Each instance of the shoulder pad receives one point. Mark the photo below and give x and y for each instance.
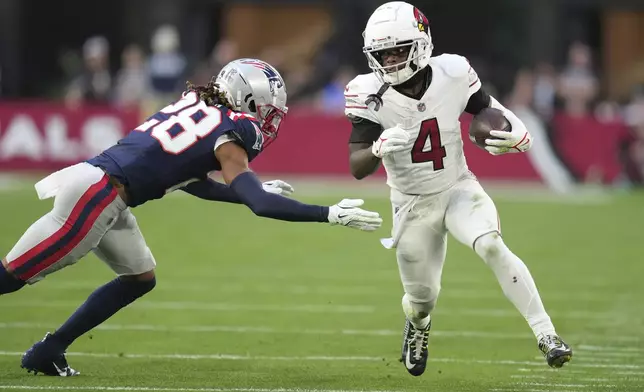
(248, 133)
(355, 95)
(453, 65)
(363, 85)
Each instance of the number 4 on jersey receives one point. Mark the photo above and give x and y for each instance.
(429, 130)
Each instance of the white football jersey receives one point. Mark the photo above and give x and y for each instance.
(435, 159)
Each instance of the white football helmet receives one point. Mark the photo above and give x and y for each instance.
(255, 87)
(392, 25)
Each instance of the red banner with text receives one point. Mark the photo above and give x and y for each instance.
(45, 136)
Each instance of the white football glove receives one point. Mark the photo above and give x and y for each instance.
(278, 187)
(508, 142)
(517, 140)
(391, 140)
(347, 213)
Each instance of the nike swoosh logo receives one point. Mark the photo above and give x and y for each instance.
(61, 372)
(408, 364)
(341, 216)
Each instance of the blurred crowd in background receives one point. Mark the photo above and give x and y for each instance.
(160, 72)
(151, 77)
(151, 74)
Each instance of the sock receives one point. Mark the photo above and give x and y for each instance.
(9, 283)
(416, 313)
(516, 281)
(102, 304)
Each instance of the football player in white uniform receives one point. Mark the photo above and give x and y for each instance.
(405, 114)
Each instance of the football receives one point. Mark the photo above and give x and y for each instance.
(487, 120)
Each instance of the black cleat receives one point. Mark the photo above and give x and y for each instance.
(47, 357)
(556, 351)
(414, 348)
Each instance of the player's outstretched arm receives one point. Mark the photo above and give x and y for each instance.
(234, 168)
(215, 191)
(212, 190)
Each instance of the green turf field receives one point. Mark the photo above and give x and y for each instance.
(246, 304)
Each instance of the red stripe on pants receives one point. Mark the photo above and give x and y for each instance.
(91, 219)
(66, 227)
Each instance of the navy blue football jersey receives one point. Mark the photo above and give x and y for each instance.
(176, 146)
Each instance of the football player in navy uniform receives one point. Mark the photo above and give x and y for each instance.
(218, 127)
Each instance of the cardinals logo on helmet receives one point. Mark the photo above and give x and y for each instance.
(423, 22)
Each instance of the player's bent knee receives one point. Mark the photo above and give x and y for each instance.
(148, 285)
(489, 246)
(416, 311)
(146, 276)
(141, 284)
(422, 302)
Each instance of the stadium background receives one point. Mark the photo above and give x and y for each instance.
(247, 303)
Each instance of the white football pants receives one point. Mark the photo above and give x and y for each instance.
(88, 215)
(469, 214)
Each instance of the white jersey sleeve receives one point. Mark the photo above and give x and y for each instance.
(460, 69)
(473, 81)
(355, 96)
(225, 138)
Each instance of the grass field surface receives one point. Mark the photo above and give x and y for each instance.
(248, 304)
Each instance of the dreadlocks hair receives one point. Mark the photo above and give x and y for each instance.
(210, 94)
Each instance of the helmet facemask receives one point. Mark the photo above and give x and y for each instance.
(395, 74)
(270, 118)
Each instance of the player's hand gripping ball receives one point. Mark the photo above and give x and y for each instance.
(489, 119)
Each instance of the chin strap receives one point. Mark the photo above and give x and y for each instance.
(377, 97)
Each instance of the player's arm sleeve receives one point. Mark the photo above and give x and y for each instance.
(366, 126)
(268, 205)
(234, 168)
(473, 80)
(226, 138)
(362, 162)
(478, 101)
(209, 189)
(212, 190)
(477, 98)
(364, 131)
